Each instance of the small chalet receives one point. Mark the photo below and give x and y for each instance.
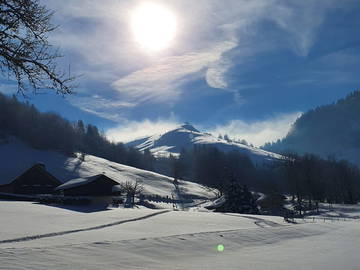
(35, 180)
(95, 186)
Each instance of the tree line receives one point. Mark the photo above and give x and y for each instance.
(212, 167)
(308, 179)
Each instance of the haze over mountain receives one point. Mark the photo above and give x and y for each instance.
(187, 136)
(332, 129)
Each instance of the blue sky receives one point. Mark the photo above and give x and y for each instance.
(246, 68)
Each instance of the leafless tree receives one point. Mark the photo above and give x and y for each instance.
(25, 52)
(132, 189)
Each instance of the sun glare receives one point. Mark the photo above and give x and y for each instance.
(154, 26)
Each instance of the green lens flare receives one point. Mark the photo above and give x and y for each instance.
(220, 248)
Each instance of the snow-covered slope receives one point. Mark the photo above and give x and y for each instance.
(186, 136)
(16, 157)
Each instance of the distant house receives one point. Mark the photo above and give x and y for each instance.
(35, 180)
(95, 186)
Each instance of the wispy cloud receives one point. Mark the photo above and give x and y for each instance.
(301, 20)
(106, 49)
(215, 75)
(258, 132)
(213, 37)
(161, 81)
(130, 130)
(102, 107)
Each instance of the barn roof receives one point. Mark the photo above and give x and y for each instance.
(81, 181)
(36, 170)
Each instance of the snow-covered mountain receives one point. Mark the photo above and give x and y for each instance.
(186, 136)
(16, 157)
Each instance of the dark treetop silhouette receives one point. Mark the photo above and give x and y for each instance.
(25, 52)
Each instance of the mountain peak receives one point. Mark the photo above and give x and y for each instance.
(186, 136)
(189, 127)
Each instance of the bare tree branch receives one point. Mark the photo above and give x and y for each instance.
(25, 52)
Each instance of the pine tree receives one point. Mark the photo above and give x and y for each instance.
(238, 199)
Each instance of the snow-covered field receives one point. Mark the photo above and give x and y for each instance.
(34, 236)
(37, 236)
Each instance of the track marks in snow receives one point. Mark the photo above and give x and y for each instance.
(167, 252)
(99, 227)
(260, 222)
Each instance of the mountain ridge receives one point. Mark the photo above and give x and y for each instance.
(187, 136)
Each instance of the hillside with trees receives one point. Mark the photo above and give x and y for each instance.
(308, 179)
(330, 130)
(49, 131)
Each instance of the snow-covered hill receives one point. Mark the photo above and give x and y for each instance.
(16, 157)
(186, 136)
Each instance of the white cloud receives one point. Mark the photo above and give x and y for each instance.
(161, 81)
(98, 38)
(131, 130)
(215, 75)
(258, 132)
(302, 20)
(101, 106)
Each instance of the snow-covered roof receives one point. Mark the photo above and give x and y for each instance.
(78, 182)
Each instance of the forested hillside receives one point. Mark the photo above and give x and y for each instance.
(327, 130)
(49, 131)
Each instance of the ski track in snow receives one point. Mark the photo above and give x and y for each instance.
(176, 240)
(154, 252)
(258, 221)
(47, 235)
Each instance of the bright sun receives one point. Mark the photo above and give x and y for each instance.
(154, 26)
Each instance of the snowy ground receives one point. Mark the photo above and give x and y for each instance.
(338, 211)
(34, 236)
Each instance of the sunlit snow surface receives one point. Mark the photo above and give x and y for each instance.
(37, 236)
(16, 157)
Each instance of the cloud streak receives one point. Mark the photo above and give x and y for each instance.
(131, 130)
(213, 38)
(161, 82)
(102, 107)
(258, 132)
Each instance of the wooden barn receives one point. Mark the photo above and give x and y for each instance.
(94, 186)
(35, 180)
